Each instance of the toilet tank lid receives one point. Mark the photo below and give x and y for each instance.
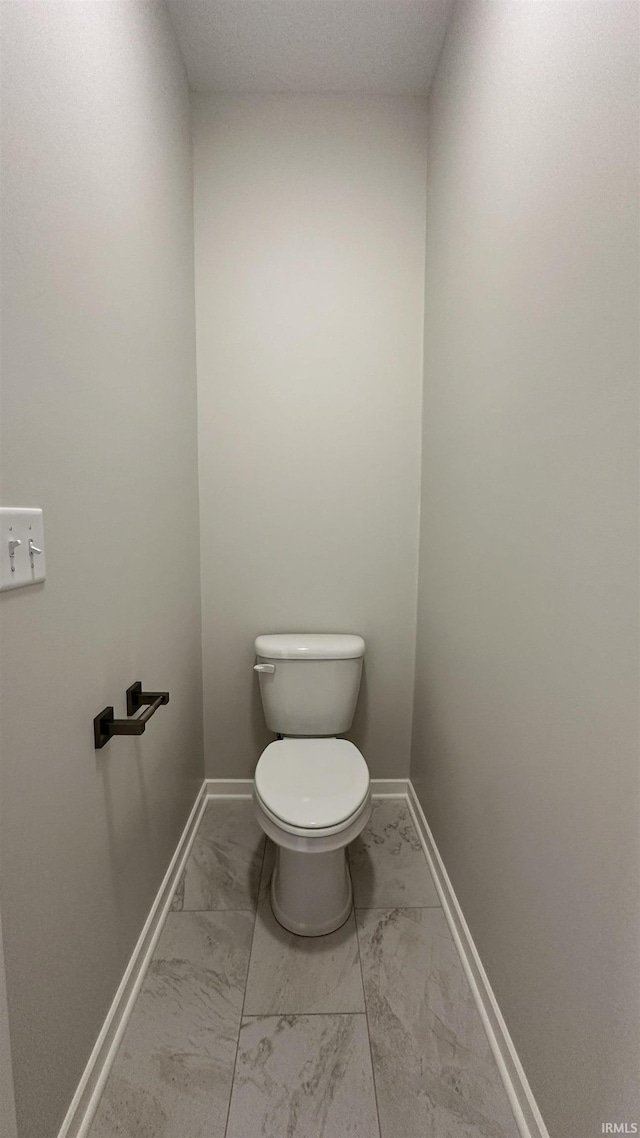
(310, 646)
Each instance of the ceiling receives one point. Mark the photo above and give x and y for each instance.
(310, 46)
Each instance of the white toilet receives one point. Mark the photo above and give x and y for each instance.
(311, 792)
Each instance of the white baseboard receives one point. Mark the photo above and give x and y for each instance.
(528, 1118)
(85, 1101)
(243, 787)
(83, 1106)
(389, 787)
(228, 787)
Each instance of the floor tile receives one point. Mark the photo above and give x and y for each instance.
(223, 868)
(303, 1077)
(388, 866)
(173, 1072)
(435, 1074)
(291, 974)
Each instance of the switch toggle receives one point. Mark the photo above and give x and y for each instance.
(33, 549)
(13, 544)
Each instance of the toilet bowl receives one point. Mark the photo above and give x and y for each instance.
(311, 797)
(312, 792)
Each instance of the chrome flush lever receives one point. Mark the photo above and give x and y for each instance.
(264, 667)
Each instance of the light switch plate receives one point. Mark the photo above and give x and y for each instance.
(24, 567)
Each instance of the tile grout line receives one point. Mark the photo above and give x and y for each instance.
(299, 1015)
(244, 993)
(235, 909)
(364, 996)
(382, 908)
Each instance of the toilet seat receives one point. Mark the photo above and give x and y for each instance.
(313, 837)
(312, 786)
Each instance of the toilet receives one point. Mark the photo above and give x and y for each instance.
(311, 791)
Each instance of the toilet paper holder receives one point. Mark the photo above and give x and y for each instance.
(105, 726)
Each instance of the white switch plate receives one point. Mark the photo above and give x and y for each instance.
(21, 525)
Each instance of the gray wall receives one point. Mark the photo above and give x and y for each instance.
(525, 748)
(98, 428)
(7, 1098)
(310, 224)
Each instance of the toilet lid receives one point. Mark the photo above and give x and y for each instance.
(312, 783)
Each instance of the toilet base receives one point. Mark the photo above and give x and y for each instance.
(311, 893)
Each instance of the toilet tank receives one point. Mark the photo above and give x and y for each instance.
(313, 687)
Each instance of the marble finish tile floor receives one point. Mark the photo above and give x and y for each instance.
(172, 1074)
(223, 869)
(303, 1075)
(388, 866)
(243, 1030)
